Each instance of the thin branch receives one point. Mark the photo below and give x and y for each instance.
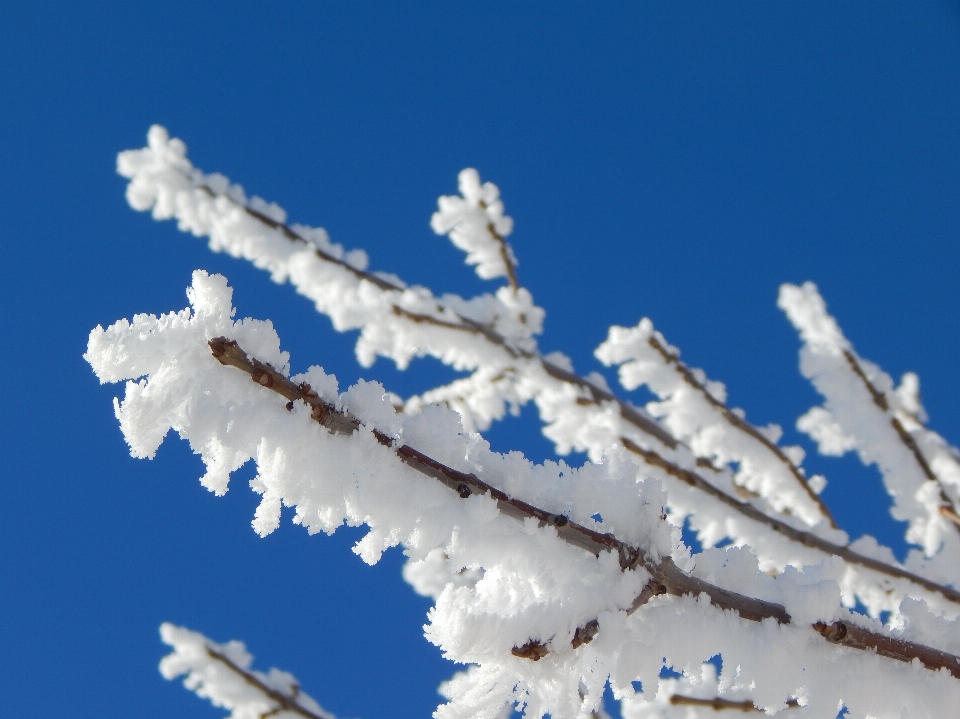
(719, 704)
(880, 399)
(742, 425)
(808, 539)
(292, 234)
(850, 635)
(284, 703)
(951, 515)
(667, 578)
(630, 413)
(644, 424)
(466, 325)
(504, 251)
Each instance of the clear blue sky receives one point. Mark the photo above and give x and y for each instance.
(678, 162)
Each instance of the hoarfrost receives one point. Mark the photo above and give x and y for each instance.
(498, 583)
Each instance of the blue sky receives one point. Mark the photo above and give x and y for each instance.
(671, 161)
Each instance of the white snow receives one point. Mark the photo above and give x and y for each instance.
(521, 581)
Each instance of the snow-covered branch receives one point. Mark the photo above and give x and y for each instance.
(475, 223)
(889, 570)
(693, 408)
(526, 582)
(863, 411)
(222, 674)
(685, 697)
(665, 577)
(494, 337)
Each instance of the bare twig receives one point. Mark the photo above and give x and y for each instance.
(284, 702)
(505, 254)
(667, 578)
(741, 424)
(464, 324)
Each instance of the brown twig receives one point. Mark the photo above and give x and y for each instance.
(719, 704)
(850, 635)
(505, 254)
(948, 508)
(504, 251)
(807, 539)
(643, 423)
(465, 324)
(741, 424)
(666, 577)
(284, 702)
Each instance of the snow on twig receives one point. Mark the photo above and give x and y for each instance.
(475, 223)
(862, 411)
(351, 475)
(222, 674)
(478, 334)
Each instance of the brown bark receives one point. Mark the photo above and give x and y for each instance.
(850, 635)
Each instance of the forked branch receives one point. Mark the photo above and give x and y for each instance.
(741, 424)
(465, 324)
(667, 578)
(948, 507)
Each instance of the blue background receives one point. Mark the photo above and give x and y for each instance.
(677, 161)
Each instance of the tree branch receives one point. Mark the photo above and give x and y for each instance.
(504, 251)
(667, 578)
(284, 703)
(741, 424)
(880, 399)
(719, 704)
(808, 539)
(850, 635)
(597, 396)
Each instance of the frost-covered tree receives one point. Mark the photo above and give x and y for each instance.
(549, 581)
